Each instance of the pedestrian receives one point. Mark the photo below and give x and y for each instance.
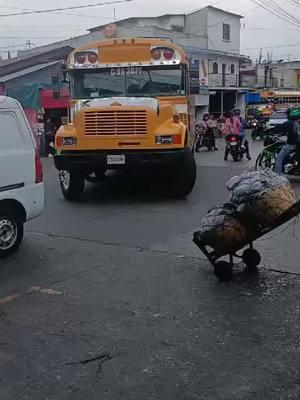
(49, 135)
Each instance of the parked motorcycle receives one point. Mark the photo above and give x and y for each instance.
(267, 158)
(234, 147)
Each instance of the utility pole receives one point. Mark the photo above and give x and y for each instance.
(260, 56)
(114, 15)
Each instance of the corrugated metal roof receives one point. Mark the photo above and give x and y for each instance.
(27, 71)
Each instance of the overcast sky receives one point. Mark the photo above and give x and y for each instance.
(259, 27)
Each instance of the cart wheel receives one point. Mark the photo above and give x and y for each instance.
(223, 271)
(251, 258)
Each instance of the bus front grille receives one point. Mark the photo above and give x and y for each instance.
(127, 122)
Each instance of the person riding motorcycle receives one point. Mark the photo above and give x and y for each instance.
(292, 129)
(205, 127)
(244, 141)
(234, 126)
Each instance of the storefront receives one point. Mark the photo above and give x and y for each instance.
(41, 102)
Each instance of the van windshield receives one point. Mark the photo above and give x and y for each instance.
(128, 82)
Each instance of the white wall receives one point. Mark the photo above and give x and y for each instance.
(287, 72)
(215, 20)
(162, 22)
(196, 24)
(179, 38)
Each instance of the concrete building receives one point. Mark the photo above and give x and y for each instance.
(275, 75)
(210, 36)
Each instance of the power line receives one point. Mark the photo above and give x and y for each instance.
(268, 29)
(294, 2)
(34, 37)
(65, 8)
(57, 13)
(276, 10)
(271, 47)
(284, 12)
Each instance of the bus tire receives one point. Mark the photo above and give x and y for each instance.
(182, 179)
(72, 185)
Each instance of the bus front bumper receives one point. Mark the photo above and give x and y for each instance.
(87, 161)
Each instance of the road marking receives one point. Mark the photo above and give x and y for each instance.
(32, 289)
(8, 299)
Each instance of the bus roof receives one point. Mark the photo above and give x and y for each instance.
(281, 93)
(128, 51)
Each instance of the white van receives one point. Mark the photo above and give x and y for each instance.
(21, 175)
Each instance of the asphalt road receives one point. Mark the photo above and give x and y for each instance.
(109, 299)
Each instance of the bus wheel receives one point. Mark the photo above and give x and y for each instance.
(183, 177)
(72, 185)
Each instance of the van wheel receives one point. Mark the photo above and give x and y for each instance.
(11, 231)
(72, 185)
(182, 179)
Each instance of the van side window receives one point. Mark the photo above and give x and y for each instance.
(9, 132)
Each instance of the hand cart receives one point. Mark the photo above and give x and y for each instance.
(251, 257)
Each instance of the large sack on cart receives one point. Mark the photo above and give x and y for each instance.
(221, 229)
(271, 204)
(261, 196)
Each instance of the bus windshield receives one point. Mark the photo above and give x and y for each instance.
(128, 81)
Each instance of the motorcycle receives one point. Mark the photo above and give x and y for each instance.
(267, 158)
(258, 129)
(203, 138)
(234, 147)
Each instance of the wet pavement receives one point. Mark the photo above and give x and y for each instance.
(109, 299)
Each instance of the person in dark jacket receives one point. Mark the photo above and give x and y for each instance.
(237, 113)
(290, 129)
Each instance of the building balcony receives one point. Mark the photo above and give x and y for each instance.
(223, 81)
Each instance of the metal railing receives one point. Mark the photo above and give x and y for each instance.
(223, 80)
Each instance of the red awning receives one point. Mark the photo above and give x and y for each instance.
(50, 99)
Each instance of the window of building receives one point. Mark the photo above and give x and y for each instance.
(226, 32)
(215, 68)
(232, 68)
(177, 28)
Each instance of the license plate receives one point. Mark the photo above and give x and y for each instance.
(232, 144)
(116, 159)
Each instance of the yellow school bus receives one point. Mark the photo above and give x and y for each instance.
(129, 110)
